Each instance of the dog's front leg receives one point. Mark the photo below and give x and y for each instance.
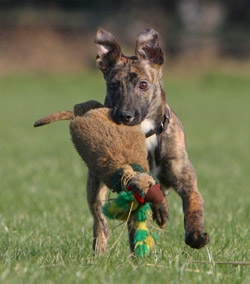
(96, 193)
(186, 186)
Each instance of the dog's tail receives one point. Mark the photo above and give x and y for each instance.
(61, 115)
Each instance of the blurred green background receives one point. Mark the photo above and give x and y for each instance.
(47, 64)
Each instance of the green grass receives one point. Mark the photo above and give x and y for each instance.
(45, 224)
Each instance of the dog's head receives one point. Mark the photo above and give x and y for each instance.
(133, 83)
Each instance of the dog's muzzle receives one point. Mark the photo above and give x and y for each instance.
(127, 117)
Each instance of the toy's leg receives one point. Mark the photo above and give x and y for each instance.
(96, 193)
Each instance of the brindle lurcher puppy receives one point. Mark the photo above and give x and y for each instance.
(136, 96)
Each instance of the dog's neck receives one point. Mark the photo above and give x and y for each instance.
(150, 127)
(156, 125)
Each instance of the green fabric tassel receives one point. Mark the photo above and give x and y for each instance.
(141, 250)
(137, 168)
(124, 198)
(140, 235)
(120, 207)
(143, 213)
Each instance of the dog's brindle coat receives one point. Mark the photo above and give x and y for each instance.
(136, 95)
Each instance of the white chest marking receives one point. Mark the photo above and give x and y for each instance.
(151, 143)
(147, 125)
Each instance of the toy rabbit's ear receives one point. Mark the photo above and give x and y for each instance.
(82, 108)
(108, 50)
(148, 47)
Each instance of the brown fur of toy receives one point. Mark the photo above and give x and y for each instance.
(106, 147)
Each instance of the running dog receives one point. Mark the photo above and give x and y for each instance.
(136, 96)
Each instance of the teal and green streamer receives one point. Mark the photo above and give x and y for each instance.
(119, 209)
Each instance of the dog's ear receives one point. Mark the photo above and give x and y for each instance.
(108, 50)
(148, 47)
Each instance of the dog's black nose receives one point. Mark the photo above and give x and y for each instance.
(126, 116)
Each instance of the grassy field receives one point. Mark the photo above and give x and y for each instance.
(44, 219)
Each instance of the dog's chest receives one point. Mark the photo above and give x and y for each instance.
(151, 144)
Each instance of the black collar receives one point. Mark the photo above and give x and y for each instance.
(163, 125)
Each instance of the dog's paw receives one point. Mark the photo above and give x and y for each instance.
(160, 213)
(197, 239)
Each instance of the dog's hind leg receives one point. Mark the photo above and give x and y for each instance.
(131, 234)
(96, 193)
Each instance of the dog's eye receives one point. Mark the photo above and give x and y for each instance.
(113, 86)
(143, 85)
